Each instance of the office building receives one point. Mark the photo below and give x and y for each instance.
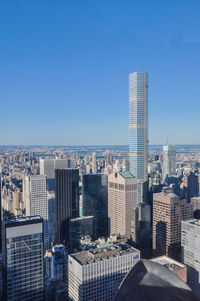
(190, 252)
(138, 130)
(36, 201)
(169, 161)
(125, 164)
(18, 205)
(22, 248)
(67, 201)
(78, 228)
(94, 163)
(122, 199)
(95, 201)
(190, 186)
(51, 216)
(196, 207)
(56, 265)
(176, 267)
(97, 274)
(56, 280)
(168, 212)
(141, 229)
(48, 166)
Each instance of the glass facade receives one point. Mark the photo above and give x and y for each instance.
(95, 202)
(23, 262)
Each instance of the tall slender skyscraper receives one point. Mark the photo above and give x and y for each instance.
(94, 163)
(36, 201)
(138, 131)
(67, 201)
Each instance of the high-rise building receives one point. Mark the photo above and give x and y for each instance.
(190, 246)
(23, 252)
(95, 201)
(67, 201)
(138, 130)
(94, 163)
(97, 274)
(196, 207)
(80, 227)
(56, 267)
(51, 216)
(168, 212)
(36, 201)
(122, 199)
(125, 164)
(141, 229)
(190, 186)
(18, 205)
(169, 161)
(48, 166)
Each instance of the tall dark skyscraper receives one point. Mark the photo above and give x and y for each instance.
(67, 201)
(95, 201)
(190, 186)
(23, 268)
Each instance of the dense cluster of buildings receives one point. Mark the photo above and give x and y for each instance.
(73, 225)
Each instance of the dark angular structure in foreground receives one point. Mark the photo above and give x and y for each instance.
(150, 281)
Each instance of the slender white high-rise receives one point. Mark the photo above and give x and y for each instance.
(138, 129)
(36, 201)
(94, 163)
(169, 161)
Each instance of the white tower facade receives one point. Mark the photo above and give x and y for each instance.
(169, 161)
(36, 201)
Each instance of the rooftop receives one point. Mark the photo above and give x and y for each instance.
(21, 219)
(126, 174)
(80, 218)
(87, 257)
(168, 262)
(193, 221)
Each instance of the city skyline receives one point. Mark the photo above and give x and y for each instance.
(55, 50)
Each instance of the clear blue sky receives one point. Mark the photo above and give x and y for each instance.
(64, 69)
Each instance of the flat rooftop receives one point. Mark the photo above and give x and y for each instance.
(193, 221)
(80, 218)
(119, 249)
(23, 219)
(168, 262)
(126, 174)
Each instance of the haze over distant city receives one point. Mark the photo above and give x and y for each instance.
(65, 66)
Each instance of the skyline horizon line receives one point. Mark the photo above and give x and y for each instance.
(91, 145)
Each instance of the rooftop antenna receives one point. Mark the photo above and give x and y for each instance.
(166, 141)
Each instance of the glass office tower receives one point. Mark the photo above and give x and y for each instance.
(22, 247)
(95, 201)
(138, 130)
